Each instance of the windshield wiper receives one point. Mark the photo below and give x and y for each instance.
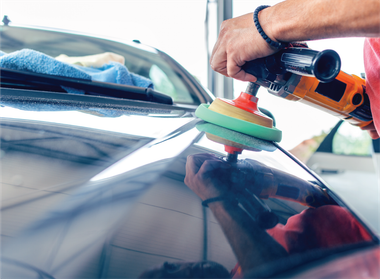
(43, 82)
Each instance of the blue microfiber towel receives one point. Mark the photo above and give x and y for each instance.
(116, 73)
(37, 62)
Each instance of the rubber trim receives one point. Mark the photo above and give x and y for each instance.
(238, 125)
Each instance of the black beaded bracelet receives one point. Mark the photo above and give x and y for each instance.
(278, 45)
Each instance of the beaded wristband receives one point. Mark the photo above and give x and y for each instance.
(278, 45)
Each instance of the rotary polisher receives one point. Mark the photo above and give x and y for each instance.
(296, 73)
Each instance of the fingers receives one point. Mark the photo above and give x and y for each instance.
(370, 126)
(218, 57)
(211, 168)
(374, 134)
(230, 68)
(194, 162)
(227, 63)
(227, 50)
(202, 174)
(218, 60)
(193, 165)
(371, 131)
(238, 42)
(230, 50)
(235, 71)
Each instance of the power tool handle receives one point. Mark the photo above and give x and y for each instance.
(324, 65)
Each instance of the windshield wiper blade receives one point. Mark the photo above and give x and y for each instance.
(43, 82)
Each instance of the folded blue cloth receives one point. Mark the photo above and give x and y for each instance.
(37, 62)
(116, 73)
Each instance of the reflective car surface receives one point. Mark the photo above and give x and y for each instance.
(93, 185)
(348, 157)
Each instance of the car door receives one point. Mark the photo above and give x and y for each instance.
(349, 161)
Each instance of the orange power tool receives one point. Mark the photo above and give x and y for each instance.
(315, 78)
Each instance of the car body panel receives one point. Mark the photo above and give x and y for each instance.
(364, 264)
(355, 177)
(68, 197)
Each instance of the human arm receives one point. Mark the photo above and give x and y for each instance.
(252, 245)
(289, 21)
(322, 227)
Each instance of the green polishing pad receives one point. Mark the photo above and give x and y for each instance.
(243, 141)
(238, 125)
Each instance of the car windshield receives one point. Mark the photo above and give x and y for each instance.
(167, 76)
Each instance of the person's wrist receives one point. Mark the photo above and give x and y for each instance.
(265, 18)
(225, 205)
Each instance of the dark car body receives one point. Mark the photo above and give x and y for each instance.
(88, 195)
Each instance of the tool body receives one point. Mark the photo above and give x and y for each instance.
(295, 74)
(312, 77)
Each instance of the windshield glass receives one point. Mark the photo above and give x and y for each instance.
(91, 52)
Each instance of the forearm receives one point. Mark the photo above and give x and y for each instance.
(300, 20)
(252, 245)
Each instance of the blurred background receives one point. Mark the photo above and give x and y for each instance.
(181, 28)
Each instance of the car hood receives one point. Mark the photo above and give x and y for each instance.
(73, 178)
(68, 162)
(79, 163)
(82, 143)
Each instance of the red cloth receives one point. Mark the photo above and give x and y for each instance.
(236, 272)
(323, 227)
(372, 71)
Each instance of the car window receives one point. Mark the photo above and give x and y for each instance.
(350, 140)
(170, 86)
(139, 59)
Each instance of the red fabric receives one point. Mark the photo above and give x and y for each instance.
(323, 227)
(372, 71)
(236, 273)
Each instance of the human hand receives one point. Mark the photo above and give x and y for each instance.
(240, 42)
(371, 131)
(204, 174)
(209, 176)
